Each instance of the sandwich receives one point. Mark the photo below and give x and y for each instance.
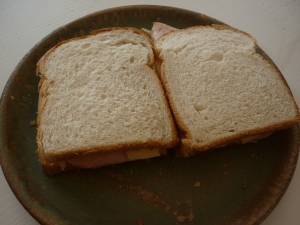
(220, 90)
(101, 103)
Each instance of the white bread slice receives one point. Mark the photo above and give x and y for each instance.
(220, 90)
(100, 103)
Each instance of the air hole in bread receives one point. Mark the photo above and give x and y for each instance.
(89, 52)
(217, 57)
(85, 45)
(198, 141)
(144, 45)
(212, 127)
(199, 107)
(103, 96)
(125, 41)
(231, 130)
(121, 42)
(131, 59)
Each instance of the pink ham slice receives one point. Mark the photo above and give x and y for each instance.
(158, 30)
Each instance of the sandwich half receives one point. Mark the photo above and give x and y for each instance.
(100, 102)
(221, 91)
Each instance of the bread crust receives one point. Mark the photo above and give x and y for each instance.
(224, 27)
(216, 26)
(51, 161)
(186, 136)
(42, 60)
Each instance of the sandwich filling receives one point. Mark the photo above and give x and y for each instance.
(111, 158)
(108, 158)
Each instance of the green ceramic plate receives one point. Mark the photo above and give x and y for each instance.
(235, 185)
